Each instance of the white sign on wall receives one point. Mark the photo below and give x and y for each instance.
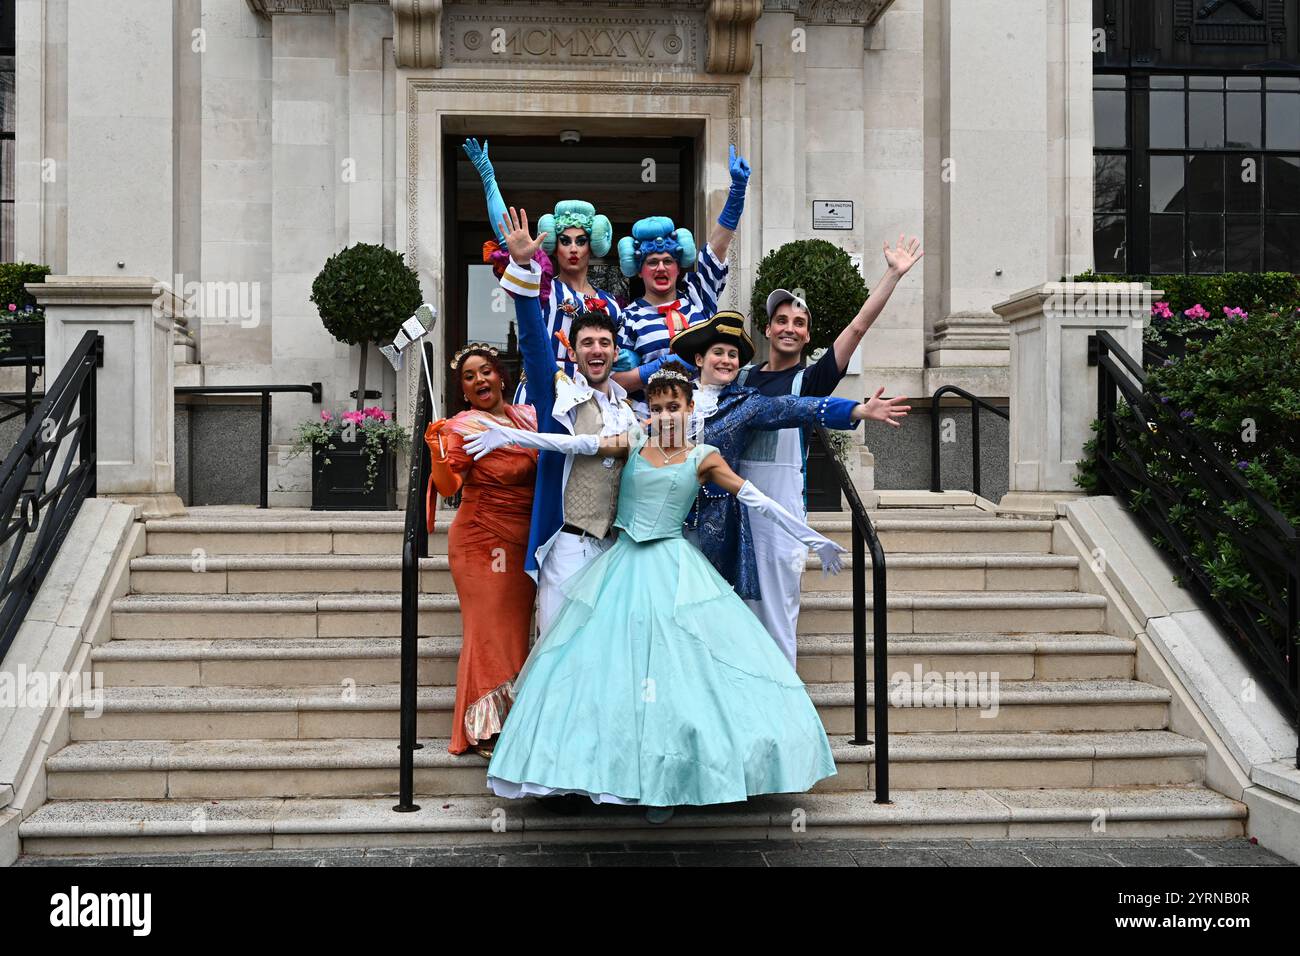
(832, 214)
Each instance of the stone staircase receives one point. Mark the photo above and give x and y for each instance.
(251, 701)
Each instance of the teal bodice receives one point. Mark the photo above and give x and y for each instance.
(653, 502)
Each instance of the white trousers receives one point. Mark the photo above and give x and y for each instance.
(568, 555)
(780, 559)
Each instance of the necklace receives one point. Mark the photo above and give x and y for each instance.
(667, 457)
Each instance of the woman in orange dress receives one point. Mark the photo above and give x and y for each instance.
(486, 545)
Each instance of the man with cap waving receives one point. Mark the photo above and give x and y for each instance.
(775, 460)
(727, 415)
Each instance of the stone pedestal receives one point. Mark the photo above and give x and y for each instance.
(135, 387)
(1053, 388)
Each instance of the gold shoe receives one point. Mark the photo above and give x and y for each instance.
(484, 752)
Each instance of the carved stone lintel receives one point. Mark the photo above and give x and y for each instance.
(418, 24)
(731, 35)
(846, 12)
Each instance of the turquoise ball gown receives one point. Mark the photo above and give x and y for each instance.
(655, 684)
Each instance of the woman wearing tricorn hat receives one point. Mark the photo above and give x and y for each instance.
(727, 415)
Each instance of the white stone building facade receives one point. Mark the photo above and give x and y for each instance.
(233, 145)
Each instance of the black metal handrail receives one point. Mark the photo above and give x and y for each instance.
(976, 402)
(266, 391)
(864, 537)
(415, 545)
(1269, 627)
(43, 481)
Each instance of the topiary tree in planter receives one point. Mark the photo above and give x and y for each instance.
(832, 286)
(363, 294)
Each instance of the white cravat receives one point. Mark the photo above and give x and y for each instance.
(706, 403)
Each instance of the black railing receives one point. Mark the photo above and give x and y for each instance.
(44, 480)
(1265, 617)
(266, 391)
(415, 545)
(864, 537)
(975, 403)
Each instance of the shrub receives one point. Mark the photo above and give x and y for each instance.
(1239, 391)
(363, 294)
(832, 286)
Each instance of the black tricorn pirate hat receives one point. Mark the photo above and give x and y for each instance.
(726, 327)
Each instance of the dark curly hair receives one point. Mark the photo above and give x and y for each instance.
(497, 365)
(593, 319)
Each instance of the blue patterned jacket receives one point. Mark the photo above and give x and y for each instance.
(721, 522)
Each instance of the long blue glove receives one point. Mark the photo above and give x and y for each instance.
(627, 360)
(496, 206)
(649, 368)
(730, 217)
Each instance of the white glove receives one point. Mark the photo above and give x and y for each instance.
(827, 550)
(498, 436)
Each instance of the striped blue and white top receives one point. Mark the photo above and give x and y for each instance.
(644, 330)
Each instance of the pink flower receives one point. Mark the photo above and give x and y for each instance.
(1235, 313)
(375, 412)
(354, 416)
(12, 307)
(325, 416)
(1161, 309)
(1197, 311)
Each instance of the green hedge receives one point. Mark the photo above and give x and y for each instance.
(1240, 390)
(1252, 291)
(832, 285)
(16, 303)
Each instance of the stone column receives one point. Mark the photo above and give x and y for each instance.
(136, 429)
(1053, 389)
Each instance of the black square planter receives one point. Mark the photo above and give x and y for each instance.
(341, 485)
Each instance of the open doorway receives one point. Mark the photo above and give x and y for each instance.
(625, 178)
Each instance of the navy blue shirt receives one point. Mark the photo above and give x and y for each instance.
(819, 380)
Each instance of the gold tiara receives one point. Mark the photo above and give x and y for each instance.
(481, 347)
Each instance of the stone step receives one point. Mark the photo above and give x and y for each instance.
(62, 827)
(218, 616)
(316, 712)
(282, 531)
(233, 769)
(335, 574)
(306, 661)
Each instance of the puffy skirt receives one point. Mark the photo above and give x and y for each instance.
(656, 685)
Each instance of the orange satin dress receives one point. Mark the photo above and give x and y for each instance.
(486, 546)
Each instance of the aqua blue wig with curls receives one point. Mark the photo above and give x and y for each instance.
(655, 234)
(574, 213)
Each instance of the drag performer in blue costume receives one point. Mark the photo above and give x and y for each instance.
(574, 233)
(661, 254)
(727, 415)
(655, 685)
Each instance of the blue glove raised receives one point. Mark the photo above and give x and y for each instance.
(627, 360)
(496, 206)
(730, 216)
(654, 365)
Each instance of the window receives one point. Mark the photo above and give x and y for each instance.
(1207, 178)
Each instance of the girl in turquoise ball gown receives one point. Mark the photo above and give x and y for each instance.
(655, 684)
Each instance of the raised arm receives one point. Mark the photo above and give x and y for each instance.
(897, 261)
(522, 279)
(496, 206)
(729, 220)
